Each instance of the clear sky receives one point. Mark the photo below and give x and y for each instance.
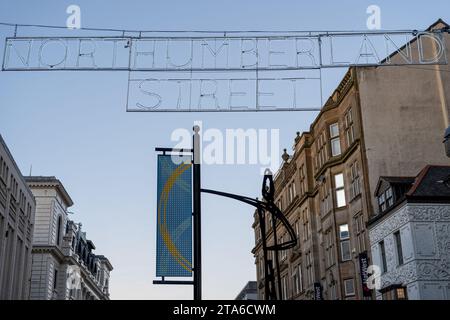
(73, 125)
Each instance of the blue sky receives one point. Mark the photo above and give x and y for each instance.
(73, 125)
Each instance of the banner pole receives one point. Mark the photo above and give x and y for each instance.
(197, 215)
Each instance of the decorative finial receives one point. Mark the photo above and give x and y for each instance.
(285, 156)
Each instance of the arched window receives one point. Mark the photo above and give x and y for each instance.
(58, 231)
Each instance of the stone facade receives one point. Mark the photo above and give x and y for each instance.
(378, 121)
(17, 208)
(64, 266)
(425, 241)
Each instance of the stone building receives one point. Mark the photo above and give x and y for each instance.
(249, 292)
(410, 236)
(64, 265)
(385, 121)
(16, 229)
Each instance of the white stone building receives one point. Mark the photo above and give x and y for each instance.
(64, 266)
(16, 229)
(410, 237)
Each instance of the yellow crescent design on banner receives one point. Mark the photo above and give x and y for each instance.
(162, 206)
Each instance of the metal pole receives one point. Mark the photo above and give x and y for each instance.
(262, 228)
(277, 260)
(197, 216)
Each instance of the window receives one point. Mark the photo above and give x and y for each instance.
(309, 269)
(355, 187)
(344, 237)
(284, 289)
(321, 150)
(382, 203)
(55, 279)
(389, 198)
(398, 245)
(343, 232)
(297, 228)
(58, 231)
(261, 268)
(383, 257)
(329, 248)
(13, 186)
(257, 234)
(345, 250)
(401, 293)
(283, 252)
(349, 287)
(395, 292)
(302, 180)
(335, 140)
(332, 291)
(340, 192)
(325, 198)
(4, 171)
(349, 128)
(386, 200)
(360, 230)
(297, 279)
(291, 192)
(306, 224)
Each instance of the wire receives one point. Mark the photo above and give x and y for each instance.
(446, 29)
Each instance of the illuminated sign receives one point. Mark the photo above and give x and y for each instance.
(174, 217)
(231, 72)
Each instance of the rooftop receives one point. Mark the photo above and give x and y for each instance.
(432, 184)
(49, 181)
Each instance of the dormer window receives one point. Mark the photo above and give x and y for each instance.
(386, 200)
(382, 202)
(389, 198)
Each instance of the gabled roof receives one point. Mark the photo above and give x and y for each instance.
(438, 22)
(433, 181)
(393, 181)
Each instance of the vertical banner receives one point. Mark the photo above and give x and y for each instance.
(174, 217)
(318, 295)
(363, 265)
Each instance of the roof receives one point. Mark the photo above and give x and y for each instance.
(16, 167)
(105, 261)
(432, 184)
(432, 181)
(393, 180)
(49, 181)
(250, 287)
